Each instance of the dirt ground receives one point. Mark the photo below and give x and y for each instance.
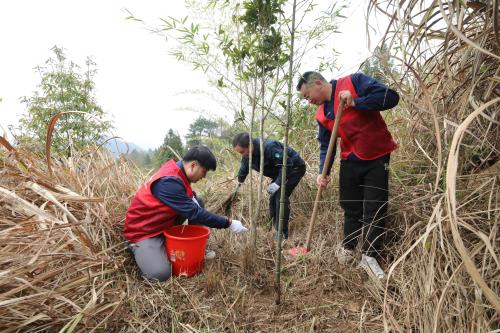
(236, 290)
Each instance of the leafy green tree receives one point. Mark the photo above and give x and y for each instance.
(164, 153)
(147, 160)
(142, 158)
(136, 156)
(258, 51)
(65, 87)
(201, 128)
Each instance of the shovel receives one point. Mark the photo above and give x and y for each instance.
(301, 250)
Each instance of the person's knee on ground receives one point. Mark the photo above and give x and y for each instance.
(151, 258)
(155, 273)
(158, 274)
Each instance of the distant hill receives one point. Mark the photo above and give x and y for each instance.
(117, 147)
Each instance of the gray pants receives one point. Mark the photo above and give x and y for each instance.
(151, 257)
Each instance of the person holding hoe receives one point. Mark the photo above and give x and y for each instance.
(366, 145)
(273, 161)
(167, 199)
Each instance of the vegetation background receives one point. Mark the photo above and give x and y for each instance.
(64, 263)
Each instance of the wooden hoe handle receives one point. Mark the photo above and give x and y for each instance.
(331, 145)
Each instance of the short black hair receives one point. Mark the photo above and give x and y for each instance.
(308, 77)
(203, 156)
(242, 140)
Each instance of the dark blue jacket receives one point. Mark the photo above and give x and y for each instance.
(273, 160)
(372, 96)
(171, 192)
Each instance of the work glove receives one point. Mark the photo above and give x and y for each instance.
(237, 227)
(272, 188)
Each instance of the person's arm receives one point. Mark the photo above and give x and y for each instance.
(324, 139)
(171, 192)
(243, 172)
(372, 95)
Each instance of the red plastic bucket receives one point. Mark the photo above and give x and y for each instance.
(186, 248)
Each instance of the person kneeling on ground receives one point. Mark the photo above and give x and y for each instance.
(273, 160)
(165, 200)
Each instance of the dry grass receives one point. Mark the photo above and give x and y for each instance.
(64, 266)
(445, 272)
(62, 256)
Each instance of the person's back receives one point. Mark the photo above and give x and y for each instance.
(273, 160)
(273, 168)
(147, 216)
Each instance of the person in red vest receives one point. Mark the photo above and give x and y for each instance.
(366, 146)
(165, 200)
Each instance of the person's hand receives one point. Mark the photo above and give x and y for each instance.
(237, 227)
(272, 188)
(347, 97)
(323, 181)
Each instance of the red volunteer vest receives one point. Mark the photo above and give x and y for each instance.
(147, 216)
(363, 133)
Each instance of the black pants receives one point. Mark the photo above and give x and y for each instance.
(364, 192)
(292, 179)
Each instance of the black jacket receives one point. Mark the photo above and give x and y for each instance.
(273, 160)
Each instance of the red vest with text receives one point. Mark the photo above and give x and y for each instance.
(147, 216)
(363, 133)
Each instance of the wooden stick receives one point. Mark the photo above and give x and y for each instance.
(331, 145)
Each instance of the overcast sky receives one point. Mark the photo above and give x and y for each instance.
(134, 81)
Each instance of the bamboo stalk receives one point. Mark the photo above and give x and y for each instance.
(277, 285)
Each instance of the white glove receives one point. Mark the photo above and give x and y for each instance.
(237, 227)
(196, 201)
(272, 188)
